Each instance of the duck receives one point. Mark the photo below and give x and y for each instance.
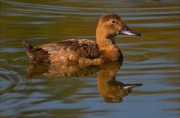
(85, 51)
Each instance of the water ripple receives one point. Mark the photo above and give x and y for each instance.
(151, 59)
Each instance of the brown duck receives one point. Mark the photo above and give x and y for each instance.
(84, 51)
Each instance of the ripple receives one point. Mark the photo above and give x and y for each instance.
(159, 25)
(3, 50)
(32, 23)
(9, 80)
(151, 59)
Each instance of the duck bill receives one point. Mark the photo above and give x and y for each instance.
(127, 31)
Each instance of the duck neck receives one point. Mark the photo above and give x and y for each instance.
(105, 42)
(108, 48)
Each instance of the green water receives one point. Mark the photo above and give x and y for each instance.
(74, 92)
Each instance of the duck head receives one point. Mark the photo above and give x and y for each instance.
(111, 25)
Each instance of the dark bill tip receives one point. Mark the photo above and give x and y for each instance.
(127, 31)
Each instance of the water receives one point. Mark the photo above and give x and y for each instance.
(152, 60)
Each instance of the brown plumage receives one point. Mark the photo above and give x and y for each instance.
(81, 47)
(36, 54)
(84, 51)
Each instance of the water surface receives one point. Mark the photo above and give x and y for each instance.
(152, 59)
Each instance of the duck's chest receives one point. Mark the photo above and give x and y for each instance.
(111, 55)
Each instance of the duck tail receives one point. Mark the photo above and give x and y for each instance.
(27, 46)
(36, 54)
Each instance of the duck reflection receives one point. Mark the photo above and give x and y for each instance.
(109, 88)
(58, 70)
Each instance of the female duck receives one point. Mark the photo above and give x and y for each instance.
(84, 51)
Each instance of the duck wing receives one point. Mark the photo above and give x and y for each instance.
(80, 47)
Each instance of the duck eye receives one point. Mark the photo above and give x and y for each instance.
(113, 21)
